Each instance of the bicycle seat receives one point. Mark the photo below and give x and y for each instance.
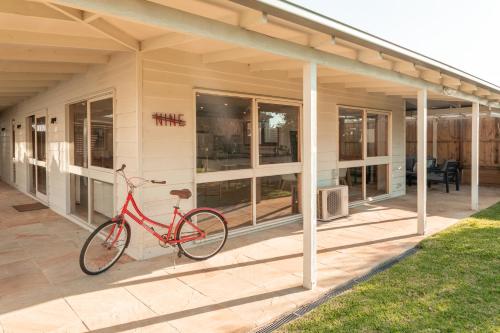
(183, 194)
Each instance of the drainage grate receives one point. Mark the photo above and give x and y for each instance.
(334, 292)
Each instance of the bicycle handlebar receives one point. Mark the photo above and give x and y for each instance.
(158, 181)
(122, 168)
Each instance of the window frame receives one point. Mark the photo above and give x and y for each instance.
(367, 161)
(90, 172)
(256, 169)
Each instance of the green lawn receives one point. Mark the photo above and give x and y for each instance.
(452, 284)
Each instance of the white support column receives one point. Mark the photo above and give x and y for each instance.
(421, 160)
(474, 168)
(309, 174)
(434, 138)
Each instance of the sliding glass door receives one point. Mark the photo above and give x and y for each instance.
(36, 125)
(364, 152)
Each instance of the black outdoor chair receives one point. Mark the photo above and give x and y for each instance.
(411, 168)
(448, 173)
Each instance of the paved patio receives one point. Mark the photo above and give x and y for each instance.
(255, 279)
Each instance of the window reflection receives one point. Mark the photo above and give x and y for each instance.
(377, 134)
(223, 133)
(350, 134)
(101, 128)
(376, 180)
(278, 134)
(40, 139)
(353, 178)
(79, 191)
(277, 196)
(233, 198)
(78, 134)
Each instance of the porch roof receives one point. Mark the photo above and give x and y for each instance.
(45, 42)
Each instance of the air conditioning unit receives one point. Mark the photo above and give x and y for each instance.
(333, 202)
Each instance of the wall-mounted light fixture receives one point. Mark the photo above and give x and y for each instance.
(53, 120)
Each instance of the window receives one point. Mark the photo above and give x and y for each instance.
(90, 134)
(353, 178)
(351, 134)
(277, 196)
(223, 133)
(278, 135)
(364, 152)
(78, 136)
(79, 194)
(377, 134)
(101, 129)
(376, 180)
(247, 157)
(233, 198)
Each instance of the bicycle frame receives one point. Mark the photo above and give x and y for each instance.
(146, 223)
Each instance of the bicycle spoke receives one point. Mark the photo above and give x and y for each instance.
(214, 233)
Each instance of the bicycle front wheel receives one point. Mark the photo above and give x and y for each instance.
(212, 224)
(104, 247)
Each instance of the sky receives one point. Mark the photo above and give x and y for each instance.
(461, 33)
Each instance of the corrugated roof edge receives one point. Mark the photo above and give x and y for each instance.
(300, 15)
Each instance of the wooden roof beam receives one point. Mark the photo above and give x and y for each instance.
(372, 84)
(98, 24)
(35, 76)
(17, 37)
(164, 17)
(41, 67)
(251, 19)
(32, 9)
(450, 81)
(229, 55)
(482, 92)
(51, 55)
(319, 41)
(345, 79)
(168, 40)
(467, 87)
(369, 56)
(275, 65)
(26, 84)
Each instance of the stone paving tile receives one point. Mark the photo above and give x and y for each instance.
(257, 277)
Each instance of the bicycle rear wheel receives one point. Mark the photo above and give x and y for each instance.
(212, 224)
(104, 247)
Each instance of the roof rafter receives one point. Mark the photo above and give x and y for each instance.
(164, 17)
(18, 37)
(41, 67)
(168, 40)
(98, 24)
(51, 55)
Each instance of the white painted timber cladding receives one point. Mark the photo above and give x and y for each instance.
(169, 80)
(119, 75)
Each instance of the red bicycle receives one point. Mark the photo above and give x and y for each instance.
(199, 234)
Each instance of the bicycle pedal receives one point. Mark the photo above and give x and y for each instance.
(179, 254)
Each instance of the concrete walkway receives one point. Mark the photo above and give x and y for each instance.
(256, 279)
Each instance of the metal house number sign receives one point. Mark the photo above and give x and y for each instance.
(169, 119)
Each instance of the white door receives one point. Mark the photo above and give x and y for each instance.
(37, 155)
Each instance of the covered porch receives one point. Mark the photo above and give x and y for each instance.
(175, 48)
(256, 278)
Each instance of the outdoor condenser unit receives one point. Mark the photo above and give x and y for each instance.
(333, 202)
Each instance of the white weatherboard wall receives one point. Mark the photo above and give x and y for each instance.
(169, 80)
(118, 76)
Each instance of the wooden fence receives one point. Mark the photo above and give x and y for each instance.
(454, 142)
